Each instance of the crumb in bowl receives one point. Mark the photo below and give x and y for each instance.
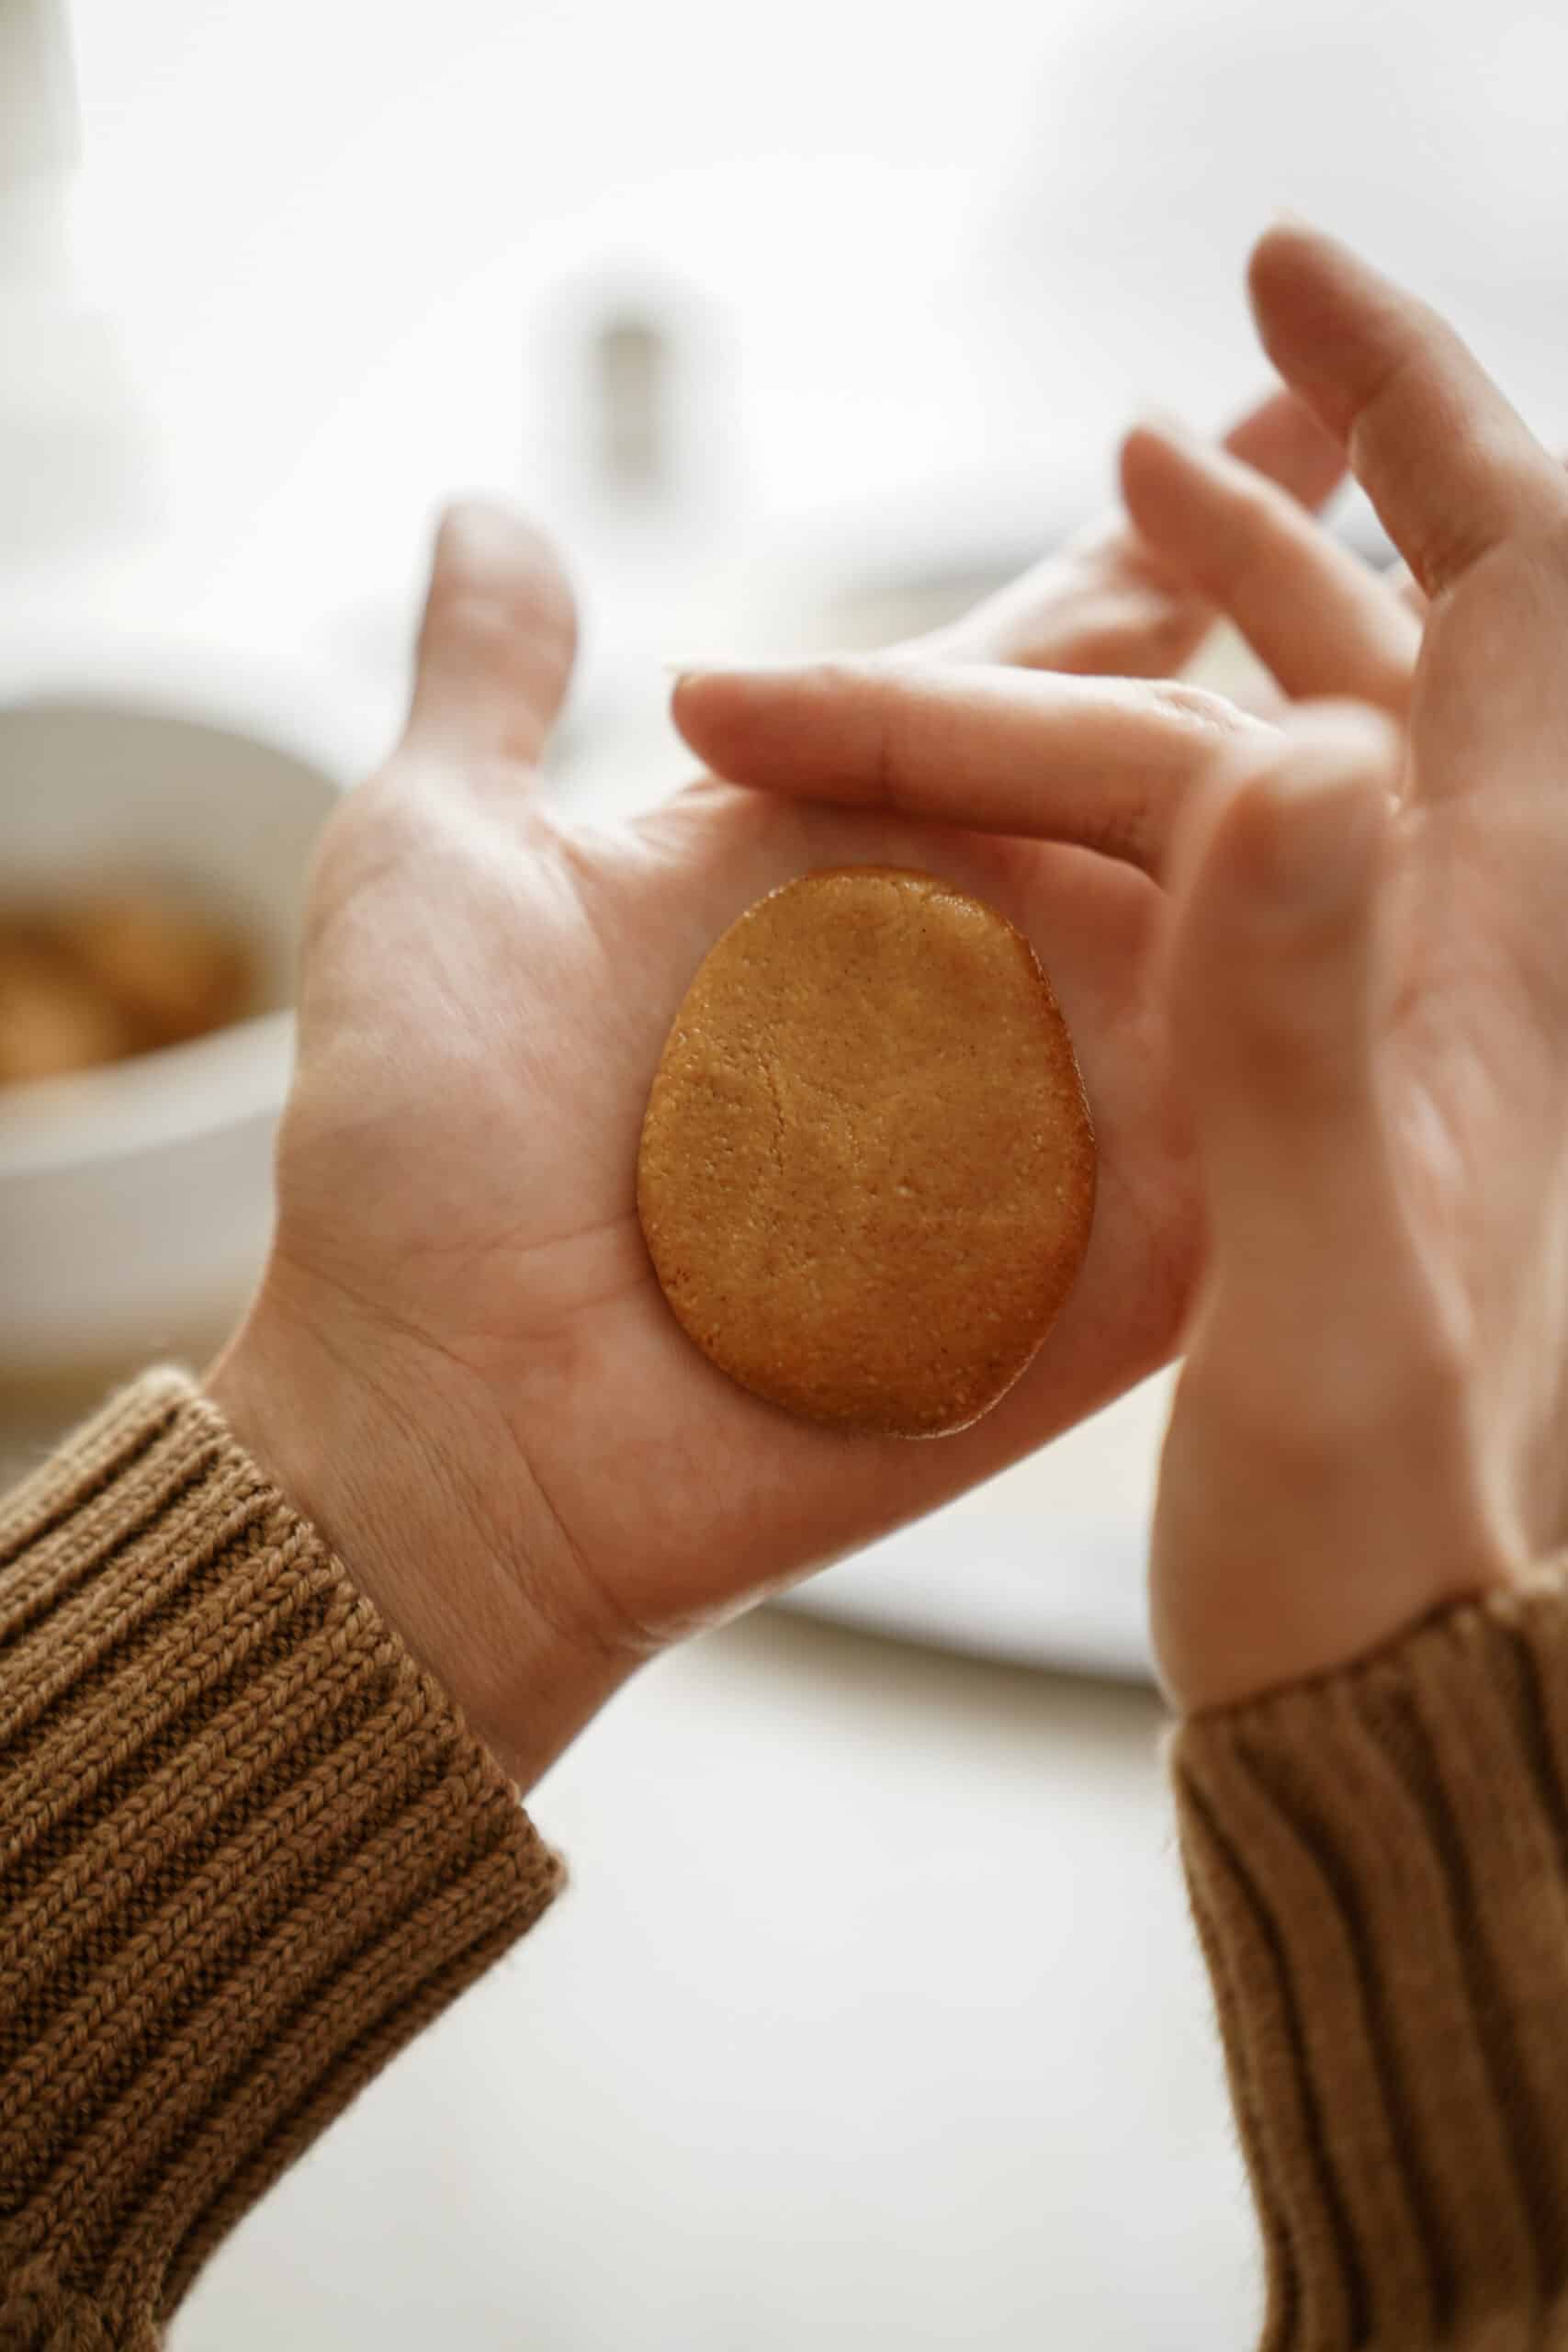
(119, 971)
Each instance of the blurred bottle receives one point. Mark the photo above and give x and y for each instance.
(629, 381)
(630, 453)
(631, 367)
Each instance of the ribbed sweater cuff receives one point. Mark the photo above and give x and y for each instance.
(247, 1849)
(1378, 1867)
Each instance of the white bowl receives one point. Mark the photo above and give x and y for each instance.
(136, 1200)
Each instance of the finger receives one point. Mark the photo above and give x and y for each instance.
(1314, 614)
(497, 642)
(1449, 465)
(1275, 990)
(1281, 438)
(1098, 606)
(1106, 762)
(1408, 589)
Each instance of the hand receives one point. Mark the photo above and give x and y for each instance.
(1369, 982)
(1322, 621)
(458, 1363)
(1112, 603)
(1383, 1426)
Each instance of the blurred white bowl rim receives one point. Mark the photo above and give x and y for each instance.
(135, 1200)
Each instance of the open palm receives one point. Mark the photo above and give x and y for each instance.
(459, 1348)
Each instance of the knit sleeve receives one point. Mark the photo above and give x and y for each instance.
(247, 1849)
(1379, 1869)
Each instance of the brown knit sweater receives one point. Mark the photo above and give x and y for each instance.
(1379, 1867)
(247, 1849)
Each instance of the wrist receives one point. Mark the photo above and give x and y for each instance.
(366, 1440)
(1281, 1555)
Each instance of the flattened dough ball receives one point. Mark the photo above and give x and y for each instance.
(867, 1170)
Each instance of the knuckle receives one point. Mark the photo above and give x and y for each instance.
(1205, 712)
(499, 629)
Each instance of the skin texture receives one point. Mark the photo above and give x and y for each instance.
(458, 1361)
(866, 1176)
(1366, 982)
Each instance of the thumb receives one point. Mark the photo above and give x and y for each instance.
(498, 639)
(1277, 1001)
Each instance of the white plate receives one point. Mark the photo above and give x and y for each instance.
(1043, 1565)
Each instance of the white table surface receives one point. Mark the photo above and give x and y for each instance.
(872, 2016)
